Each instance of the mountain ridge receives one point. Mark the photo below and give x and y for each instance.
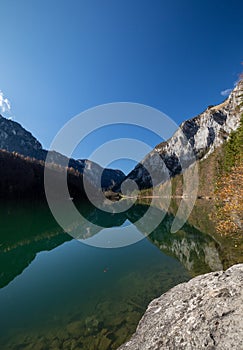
(14, 138)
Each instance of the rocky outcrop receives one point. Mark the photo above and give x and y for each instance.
(194, 140)
(204, 313)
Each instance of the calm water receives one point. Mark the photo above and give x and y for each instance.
(59, 293)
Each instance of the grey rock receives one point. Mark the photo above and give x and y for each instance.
(204, 313)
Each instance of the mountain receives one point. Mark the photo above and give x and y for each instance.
(14, 138)
(200, 135)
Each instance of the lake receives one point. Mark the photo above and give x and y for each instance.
(61, 293)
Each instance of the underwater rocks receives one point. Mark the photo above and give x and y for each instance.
(105, 325)
(204, 313)
(101, 331)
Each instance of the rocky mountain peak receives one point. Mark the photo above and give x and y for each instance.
(199, 135)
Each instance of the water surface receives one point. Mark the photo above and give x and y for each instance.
(60, 293)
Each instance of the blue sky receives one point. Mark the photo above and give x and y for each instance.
(59, 58)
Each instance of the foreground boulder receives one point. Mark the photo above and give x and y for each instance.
(204, 313)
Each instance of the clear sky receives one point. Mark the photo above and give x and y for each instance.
(59, 58)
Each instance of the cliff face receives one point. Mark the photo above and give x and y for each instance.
(204, 133)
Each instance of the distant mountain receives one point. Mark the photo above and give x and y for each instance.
(204, 133)
(14, 138)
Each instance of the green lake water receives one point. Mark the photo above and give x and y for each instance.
(60, 293)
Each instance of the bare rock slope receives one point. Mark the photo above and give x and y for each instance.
(204, 313)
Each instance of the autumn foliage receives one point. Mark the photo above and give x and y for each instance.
(229, 189)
